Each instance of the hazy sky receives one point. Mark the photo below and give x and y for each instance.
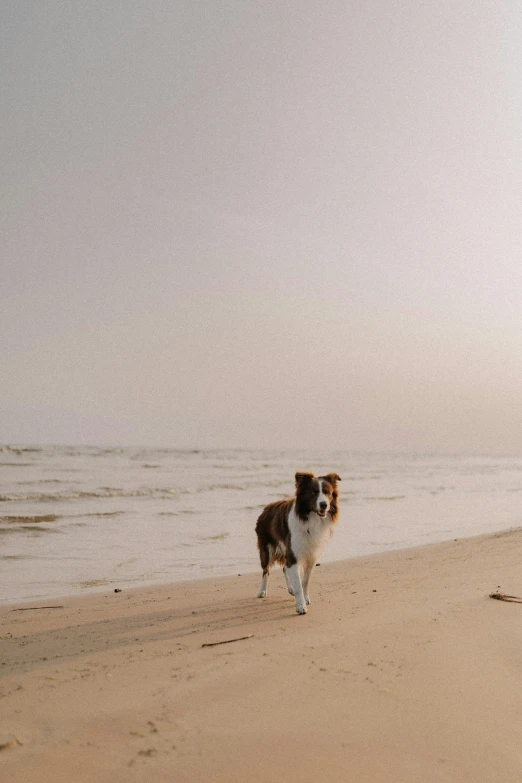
(262, 223)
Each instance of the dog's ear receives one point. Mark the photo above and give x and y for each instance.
(303, 478)
(333, 478)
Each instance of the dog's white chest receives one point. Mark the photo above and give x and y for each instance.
(309, 538)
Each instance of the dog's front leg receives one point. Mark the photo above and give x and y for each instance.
(306, 579)
(294, 578)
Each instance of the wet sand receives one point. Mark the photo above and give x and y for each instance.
(402, 670)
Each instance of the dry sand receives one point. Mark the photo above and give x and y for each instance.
(402, 670)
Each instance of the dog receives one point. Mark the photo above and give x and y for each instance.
(294, 531)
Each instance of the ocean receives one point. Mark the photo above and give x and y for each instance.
(78, 519)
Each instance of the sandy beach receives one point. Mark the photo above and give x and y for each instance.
(403, 670)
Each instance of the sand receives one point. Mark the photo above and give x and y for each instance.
(402, 670)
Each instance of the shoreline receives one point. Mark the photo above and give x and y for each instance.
(143, 516)
(402, 670)
(159, 585)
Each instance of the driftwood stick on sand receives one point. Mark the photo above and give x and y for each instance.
(501, 597)
(31, 608)
(227, 641)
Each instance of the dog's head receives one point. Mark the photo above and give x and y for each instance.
(316, 495)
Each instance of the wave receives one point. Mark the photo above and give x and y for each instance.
(103, 493)
(20, 450)
(28, 529)
(386, 497)
(218, 537)
(30, 519)
(160, 493)
(100, 514)
(38, 482)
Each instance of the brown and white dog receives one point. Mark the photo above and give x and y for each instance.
(294, 531)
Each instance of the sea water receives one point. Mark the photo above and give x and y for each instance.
(77, 519)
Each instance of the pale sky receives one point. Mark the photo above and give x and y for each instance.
(262, 224)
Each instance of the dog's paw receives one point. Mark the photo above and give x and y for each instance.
(307, 599)
(300, 609)
(261, 594)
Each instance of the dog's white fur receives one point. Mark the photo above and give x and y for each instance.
(308, 541)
